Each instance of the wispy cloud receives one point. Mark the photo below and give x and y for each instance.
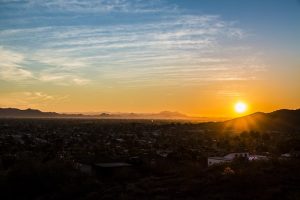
(185, 49)
(63, 79)
(32, 99)
(11, 66)
(96, 6)
(12, 69)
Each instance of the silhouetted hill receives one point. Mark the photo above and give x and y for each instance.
(275, 121)
(13, 112)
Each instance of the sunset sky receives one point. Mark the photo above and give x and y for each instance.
(196, 57)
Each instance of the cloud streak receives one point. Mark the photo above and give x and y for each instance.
(32, 99)
(96, 6)
(12, 69)
(179, 48)
(10, 66)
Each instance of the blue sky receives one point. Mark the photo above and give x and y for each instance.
(48, 47)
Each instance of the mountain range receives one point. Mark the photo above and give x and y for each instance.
(278, 120)
(32, 113)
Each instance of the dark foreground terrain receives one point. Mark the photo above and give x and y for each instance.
(58, 158)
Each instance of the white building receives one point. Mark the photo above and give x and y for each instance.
(258, 157)
(286, 155)
(216, 160)
(228, 158)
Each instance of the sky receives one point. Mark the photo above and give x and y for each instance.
(197, 57)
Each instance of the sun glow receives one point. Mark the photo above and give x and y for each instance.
(240, 107)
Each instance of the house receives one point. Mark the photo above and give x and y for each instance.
(104, 169)
(216, 160)
(84, 168)
(115, 169)
(237, 155)
(228, 158)
(257, 157)
(291, 155)
(286, 155)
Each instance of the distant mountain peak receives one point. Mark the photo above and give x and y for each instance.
(171, 114)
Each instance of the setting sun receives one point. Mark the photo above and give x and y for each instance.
(240, 107)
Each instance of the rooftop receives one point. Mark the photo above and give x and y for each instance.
(109, 165)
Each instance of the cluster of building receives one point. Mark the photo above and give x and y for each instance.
(243, 155)
(90, 141)
(232, 156)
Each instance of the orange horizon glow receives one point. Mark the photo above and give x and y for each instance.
(228, 111)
